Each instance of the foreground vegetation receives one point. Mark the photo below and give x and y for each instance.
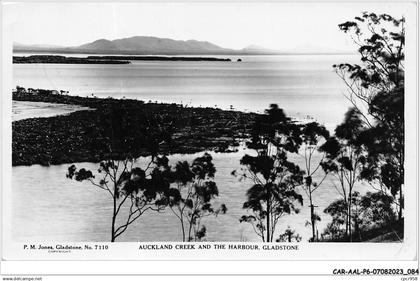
(367, 147)
(85, 136)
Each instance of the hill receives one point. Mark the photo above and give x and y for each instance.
(148, 44)
(138, 45)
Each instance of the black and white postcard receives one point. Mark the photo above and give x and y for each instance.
(278, 131)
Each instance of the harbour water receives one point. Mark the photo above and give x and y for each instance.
(48, 206)
(303, 85)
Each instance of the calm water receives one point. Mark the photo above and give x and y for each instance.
(43, 199)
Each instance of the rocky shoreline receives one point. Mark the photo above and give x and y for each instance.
(157, 58)
(65, 60)
(105, 59)
(81, 136)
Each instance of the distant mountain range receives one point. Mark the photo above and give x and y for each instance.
(151, 45)
(146, 45)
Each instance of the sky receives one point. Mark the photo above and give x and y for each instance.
(287, 26)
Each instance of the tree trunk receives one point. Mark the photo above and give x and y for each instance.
(268, 213)
(313, 223)
(113, 224)
(347, 225)
(401, 203)
(268, 221)
(181, 219)
(349, 218)
(183, 232)
(190, 229)
(312, 216)
(114, 214)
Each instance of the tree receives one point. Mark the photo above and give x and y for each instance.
(345, 159)
(313, 135)
(376, 210)
(274, 177)
(369, 212)
(143, 189)
(348, 213)
(191, 198)
(338, 210)
(140, 189)
(289, 235)
(376, 90)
